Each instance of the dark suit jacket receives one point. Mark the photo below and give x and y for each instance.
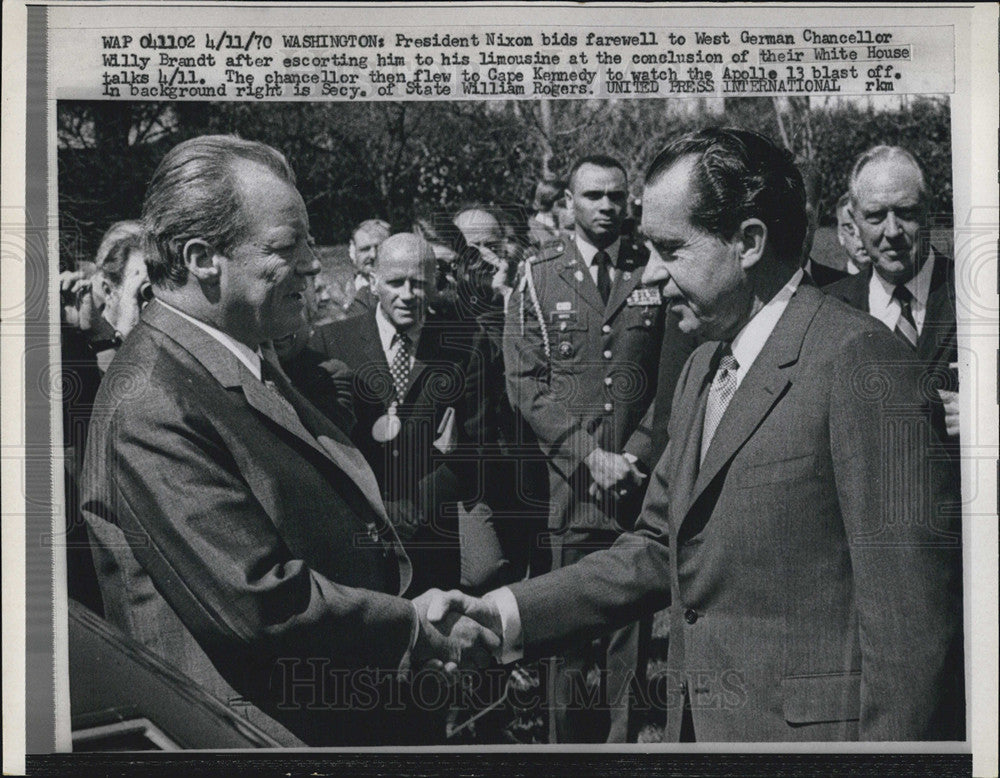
(596, 385)
(937, 344)
(409, 469)
(823, 275)
(364, 302)
(812, 563)
(241, 541)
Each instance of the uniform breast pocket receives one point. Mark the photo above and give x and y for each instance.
(568, 331)
(640, 319)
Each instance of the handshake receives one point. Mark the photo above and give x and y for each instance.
(455, 632)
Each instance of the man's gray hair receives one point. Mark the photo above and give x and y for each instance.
(879, 154)
(195, 194)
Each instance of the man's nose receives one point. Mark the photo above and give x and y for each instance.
(891, 225)
(656, 270)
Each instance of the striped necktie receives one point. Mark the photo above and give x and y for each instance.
(906, 327)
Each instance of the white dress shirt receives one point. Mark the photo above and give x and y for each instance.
(588, 250)
(746, 346)
(884, 307)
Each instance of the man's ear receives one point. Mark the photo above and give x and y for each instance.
(752, 241)
(202, 260)
(352, 251)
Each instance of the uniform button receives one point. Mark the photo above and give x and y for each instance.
(647, 322)
(607, 354)
(607, 381)
(690, 616)
(608, 407)
(395, 452)
(606, 329)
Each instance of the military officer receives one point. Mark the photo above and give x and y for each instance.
(582, 350)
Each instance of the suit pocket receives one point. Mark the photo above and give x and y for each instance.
(773, 472)
(812, 699)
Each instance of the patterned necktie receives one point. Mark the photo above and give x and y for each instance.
(721, 392)
(400, 367)
(602, 260)
(906, 327)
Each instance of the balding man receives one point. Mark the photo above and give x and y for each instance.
(909, 285)
(413, 386)
(481, 229)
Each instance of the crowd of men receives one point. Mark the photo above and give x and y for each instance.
(519, 439)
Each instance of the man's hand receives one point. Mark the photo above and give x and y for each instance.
(451, 635)
(607, 469)
(950, 402)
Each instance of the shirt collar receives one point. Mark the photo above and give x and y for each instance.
(387, 330)
(750, 340)
(245, 354)
(361, 281)
(587, 250)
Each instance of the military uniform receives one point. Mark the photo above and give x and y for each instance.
(584, 374)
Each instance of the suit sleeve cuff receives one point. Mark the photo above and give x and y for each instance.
(405, 664)
(574, 449)
(511, 639)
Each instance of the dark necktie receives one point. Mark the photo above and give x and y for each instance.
(906, 327)
(400, 367)
(602, 260)
(273, 378)
(719, 394)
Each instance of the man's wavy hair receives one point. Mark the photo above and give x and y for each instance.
(194, 194)
(740, 175)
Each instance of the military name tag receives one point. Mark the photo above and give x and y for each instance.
(387, 426)
(645, 295)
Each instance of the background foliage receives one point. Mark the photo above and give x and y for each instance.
(395, 160)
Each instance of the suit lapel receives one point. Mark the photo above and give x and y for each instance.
(691, 407)
(322, 436)
(938, 332)
(379, 379)
(765, 383)
(576, 275)
(627, 279)
(426, 350)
